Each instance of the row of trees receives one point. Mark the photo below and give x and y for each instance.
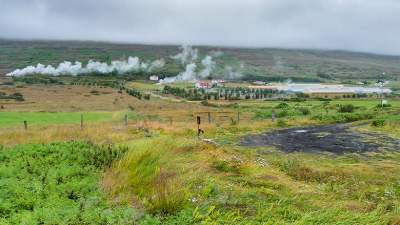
(16, 96)
(237, 93)
(220, 93)
(136, 94)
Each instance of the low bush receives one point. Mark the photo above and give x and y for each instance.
(343, 117)
(378, 123)
(282, 105)
(384, 106)
(264, 114)
(348, 108)
(281, 123)
(305, 111)
(288, 112)
(16, 96)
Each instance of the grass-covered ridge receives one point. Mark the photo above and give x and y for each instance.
(57, 184)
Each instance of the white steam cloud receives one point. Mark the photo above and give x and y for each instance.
(188, 75)
(232, 74)
(209, 66)
(188, 55)
(132, 64)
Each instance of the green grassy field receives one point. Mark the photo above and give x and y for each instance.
(8, 119)
(168, 176)
(11, 119)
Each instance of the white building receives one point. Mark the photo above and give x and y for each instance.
(154, 78)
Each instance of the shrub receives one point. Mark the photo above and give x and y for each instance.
(282, 113)
(378, 123)
(282, 105)
(348, 108)
(296, 99)
(384, 106)
(16, 96)
(146, 97)
(264, 114)
(343, 118)
(281, 123)
(305, 111)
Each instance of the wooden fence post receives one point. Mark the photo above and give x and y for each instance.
(81, 121)
(126, 119)
(25, 125)
(199, 131)
(209, 117)
(273, 116)
(238, 117)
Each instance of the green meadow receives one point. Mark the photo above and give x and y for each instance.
(11, 119)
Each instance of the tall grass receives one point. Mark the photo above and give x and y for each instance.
(148, 173)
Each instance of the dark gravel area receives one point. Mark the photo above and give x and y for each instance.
(337, 139)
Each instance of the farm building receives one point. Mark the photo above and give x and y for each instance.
(154, 78)
(202, 85)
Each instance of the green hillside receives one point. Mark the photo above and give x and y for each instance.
(255, 64)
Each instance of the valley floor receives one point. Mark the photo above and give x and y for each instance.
(155, 169)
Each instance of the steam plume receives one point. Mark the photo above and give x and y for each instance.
(188, 75)
(133, 64)
(209, 66)
(232, 74)
(188, 55)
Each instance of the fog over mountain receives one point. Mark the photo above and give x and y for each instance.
(358, 25)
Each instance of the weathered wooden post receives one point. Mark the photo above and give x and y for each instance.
(238, 117)
(273, 116)
(170, 120)
(199, 131)
(209, 117)
(126, 119)
(25, 125)
(81, 121)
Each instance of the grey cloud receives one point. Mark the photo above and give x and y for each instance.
(361, 25)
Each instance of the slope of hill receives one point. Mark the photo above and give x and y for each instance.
(255, 64)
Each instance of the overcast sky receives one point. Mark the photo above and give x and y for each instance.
(361, 25)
